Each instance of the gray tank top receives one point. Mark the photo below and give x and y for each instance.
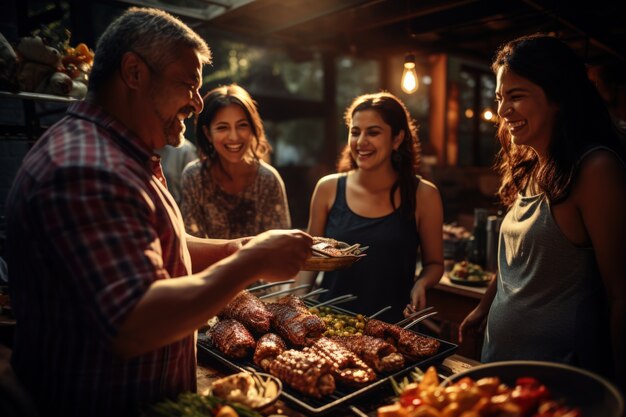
(550, 302)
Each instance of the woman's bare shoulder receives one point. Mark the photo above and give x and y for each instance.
(426, 189)
(329, 181)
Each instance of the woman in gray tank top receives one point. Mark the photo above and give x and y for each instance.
(560, 290)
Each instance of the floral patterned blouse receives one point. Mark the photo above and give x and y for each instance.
(211, 212)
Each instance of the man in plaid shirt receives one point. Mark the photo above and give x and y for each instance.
(106, 286)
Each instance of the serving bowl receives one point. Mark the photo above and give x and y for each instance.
(257, 390)
(576, 387)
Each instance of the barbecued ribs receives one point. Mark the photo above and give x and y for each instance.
(248, 310)
(294, 323)
(347, 367)
(268, 347)
(411, 345)
(383, 357)
(232, 338)
(306, 372)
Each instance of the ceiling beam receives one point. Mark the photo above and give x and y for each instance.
(570, 19)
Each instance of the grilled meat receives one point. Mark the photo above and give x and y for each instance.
(248, 310)
(305, 372)
(411, 345)
(347, 367)
(382, 356)
(268, 347)
(232, 338)
(295, 324)
(293, 301)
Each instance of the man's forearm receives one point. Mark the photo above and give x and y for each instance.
(206, 252)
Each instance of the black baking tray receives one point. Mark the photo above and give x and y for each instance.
(342, 395)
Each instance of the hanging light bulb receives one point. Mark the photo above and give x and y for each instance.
(409, 81)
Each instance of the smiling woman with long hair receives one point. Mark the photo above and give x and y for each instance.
(562, 243)
(378, 199)
(231, 192)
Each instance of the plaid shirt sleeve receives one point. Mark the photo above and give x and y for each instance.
(96, 223)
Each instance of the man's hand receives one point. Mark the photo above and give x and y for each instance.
(279, 254)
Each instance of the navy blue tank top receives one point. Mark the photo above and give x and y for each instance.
(386, 275)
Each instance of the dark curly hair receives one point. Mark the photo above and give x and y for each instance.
(582, 118)
(406, 159)
(217, 99)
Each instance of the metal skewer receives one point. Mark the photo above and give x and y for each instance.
(337, 300)
(379, 312)
(287, 291)
(424, 317)
(314, 292)
(271, 284)
(408, 319)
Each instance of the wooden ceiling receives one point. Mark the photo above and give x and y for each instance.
(468, 28)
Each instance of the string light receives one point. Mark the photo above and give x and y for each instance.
(409, 83)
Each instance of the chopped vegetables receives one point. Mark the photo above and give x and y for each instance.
(482, 398)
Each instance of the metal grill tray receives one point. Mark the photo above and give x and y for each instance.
(342, 395)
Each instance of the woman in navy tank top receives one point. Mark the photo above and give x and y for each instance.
(378, 200)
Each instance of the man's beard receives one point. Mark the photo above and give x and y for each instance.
(172, 136)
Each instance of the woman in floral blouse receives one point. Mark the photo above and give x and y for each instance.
(230, 191)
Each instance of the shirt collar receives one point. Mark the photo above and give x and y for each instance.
(94, 113)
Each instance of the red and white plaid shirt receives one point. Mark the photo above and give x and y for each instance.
(90, 226)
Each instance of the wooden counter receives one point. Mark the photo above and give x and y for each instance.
(454, 302)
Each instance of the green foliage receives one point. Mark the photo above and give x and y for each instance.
(416, 375)
(190, 404)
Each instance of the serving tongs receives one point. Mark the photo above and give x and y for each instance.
(417, 317)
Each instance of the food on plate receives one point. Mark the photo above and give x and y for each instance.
(232, 338)
(470, 272)
(485, 397)
(452, 231)
(330, 254)
(328, 247)
(306, 372)
(347, 367)
(248, 310)
(380, 355)
(267, 348)
(411, 345)
(294, 323)
(255, 391)
(295, 350)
